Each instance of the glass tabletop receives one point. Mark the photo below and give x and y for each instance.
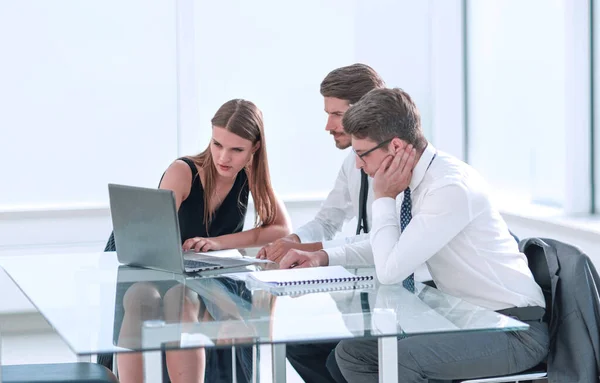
(97, 305)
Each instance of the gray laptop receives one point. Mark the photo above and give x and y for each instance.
(146, 230)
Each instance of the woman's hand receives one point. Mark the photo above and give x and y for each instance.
(199, 244)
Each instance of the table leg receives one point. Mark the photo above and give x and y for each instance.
(388, 359)
(0, 355)
(114, 365)
(154, 333)
(256, 363)
(233, 364)
(278, 358)
(152, 366)
(84, 358)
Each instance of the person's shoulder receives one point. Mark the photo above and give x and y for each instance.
(243, 177)
(450, 170)
(446, 164)
(180, 169)
(445, 169)
(350, 158)
(349, 163)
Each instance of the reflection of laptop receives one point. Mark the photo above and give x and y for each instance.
(146, 229)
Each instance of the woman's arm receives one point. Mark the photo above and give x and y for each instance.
(261, 235)
(178, 178)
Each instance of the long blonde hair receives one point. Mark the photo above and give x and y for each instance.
(244, 119)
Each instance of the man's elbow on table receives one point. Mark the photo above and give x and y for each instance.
(388, 276)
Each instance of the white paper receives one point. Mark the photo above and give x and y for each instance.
(229, 253)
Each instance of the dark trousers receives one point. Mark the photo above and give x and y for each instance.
(448, 356)
(315, 362)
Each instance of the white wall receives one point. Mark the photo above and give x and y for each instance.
(88, 96)
(395, 38)
(501, 60)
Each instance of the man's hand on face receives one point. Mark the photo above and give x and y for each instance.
(395, 173)
(300, 258)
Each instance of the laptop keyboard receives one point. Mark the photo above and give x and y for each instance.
(200, 265)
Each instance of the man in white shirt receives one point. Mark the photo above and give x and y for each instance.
(422, 193)
(341, 88)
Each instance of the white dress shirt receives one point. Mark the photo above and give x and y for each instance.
(457, 232)
(340, 206)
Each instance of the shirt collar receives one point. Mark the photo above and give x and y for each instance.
(422, 166)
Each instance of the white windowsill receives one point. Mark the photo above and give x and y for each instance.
(536, 214)
(10, 211)
(584, 224)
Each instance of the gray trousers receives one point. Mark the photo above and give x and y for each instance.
(450, 356)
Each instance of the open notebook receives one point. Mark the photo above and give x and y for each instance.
(309, 280)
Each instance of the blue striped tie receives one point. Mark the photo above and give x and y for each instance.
(405, 217)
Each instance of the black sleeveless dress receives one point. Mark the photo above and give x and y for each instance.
(228, 219)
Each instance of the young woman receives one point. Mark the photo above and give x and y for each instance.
(211, 188)
(211, 192)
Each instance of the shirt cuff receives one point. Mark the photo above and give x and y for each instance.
(337, 255)
(304, 235)
(334, 243)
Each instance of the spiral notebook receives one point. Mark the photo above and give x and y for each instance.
(309, 280)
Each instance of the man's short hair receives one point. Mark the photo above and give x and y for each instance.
(383, 114)
(351, 82)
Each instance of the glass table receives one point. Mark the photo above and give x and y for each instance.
(99, 306)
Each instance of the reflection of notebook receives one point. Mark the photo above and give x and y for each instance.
(309, 280)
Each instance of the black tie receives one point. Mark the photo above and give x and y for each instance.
(405, 217)
(362, 204)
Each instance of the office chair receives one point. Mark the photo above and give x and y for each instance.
(539, 268)
(57, 373)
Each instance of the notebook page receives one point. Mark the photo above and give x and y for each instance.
(326, 274)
